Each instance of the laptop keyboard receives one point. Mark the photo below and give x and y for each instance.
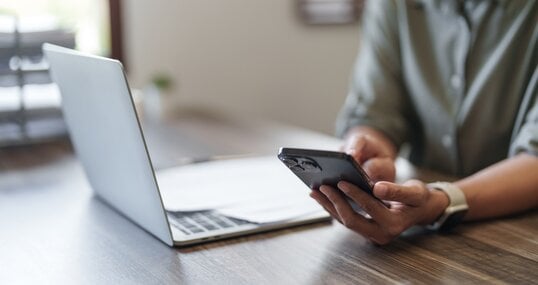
(198, 222)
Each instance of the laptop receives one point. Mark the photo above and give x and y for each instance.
(109, 142)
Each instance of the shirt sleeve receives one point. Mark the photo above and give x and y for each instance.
(377, 96)
(526, 136)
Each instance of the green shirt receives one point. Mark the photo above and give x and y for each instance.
(457, 80)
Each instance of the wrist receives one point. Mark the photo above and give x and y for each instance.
(437, 204)
(456, 209)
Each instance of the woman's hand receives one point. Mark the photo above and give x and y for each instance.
(373, 151)
(411, 204)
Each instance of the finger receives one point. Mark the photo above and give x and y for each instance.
(326, 204)
(380, 169)
(355, 147)
(412, 193)
(362, 148)
(350, 219)
(373, 207)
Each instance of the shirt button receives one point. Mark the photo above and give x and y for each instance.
(455, 81)
(447, 141)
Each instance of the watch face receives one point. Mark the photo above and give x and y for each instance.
(453, 220)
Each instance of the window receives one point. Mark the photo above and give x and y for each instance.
(88, 19)
(29, 102)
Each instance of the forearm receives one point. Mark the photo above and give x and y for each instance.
(504, 188)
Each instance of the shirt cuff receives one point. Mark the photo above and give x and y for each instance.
(526, 141)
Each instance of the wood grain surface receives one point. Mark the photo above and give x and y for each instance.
(53, 231)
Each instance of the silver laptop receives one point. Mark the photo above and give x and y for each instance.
(106, 134)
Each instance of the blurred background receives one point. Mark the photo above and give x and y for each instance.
(283, 60)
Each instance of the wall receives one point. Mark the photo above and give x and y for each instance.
(246, 57)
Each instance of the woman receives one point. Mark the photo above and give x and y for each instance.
(458, 82)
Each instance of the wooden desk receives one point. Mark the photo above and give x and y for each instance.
(54, 231)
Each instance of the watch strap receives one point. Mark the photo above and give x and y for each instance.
(456, 209)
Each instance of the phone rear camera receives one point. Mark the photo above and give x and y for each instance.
(290, 162)
(297, 168)
(310, 165)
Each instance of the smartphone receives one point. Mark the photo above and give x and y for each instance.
(319, 167)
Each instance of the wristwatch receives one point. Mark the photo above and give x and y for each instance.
(456, 210)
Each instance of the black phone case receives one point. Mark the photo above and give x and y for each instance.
(317, 167)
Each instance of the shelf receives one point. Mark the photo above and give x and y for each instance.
(39, 116)
(6, 72)
(35, 131)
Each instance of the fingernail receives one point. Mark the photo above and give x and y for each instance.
(381, 190)
(342, 186)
